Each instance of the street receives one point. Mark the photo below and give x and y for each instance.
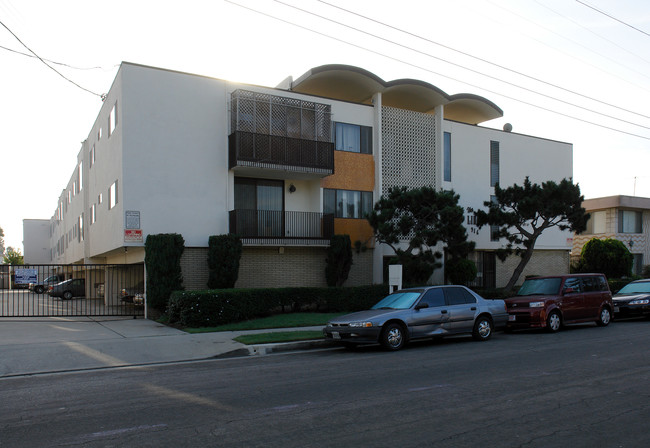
(583, 387)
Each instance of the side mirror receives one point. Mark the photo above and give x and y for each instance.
(419, 306)
(568, 290)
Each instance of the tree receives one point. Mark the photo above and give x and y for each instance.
(224, 255)
(13, 256)
(423, 217)
(339, 260)
(608, 256)
(2, 241)
(522, 213)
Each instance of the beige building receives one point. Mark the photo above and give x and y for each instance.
(625, 218)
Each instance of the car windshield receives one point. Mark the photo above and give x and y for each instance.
(398, 301)
(540, 286)
(635, 288)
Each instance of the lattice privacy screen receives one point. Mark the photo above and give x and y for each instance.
(266, 114)
(408, 149)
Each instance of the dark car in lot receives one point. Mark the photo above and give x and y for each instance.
(633, 299)
(553, 301)
(415, 313)
(75, 287)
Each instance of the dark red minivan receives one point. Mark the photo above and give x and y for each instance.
(551, 302)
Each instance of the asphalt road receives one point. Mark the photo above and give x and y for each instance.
(583, 387)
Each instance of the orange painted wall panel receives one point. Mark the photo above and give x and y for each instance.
(352, 171)
(358, 229)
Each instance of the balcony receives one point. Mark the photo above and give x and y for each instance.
(267, 227)
(249, 151)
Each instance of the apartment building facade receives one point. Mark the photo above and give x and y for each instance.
(286, 168)
(623, 218)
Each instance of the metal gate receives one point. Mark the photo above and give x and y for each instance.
(71, 290)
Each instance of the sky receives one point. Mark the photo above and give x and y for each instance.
(576, 71)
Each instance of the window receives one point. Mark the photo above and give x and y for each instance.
(596, 223)
(629, 222)
(637, 264)
(447, 157)
(574, 283)
(353, 138)
(458, 296)
(494, 163)
(99, 134)
(100, 198)
(494, 230)
(112, 195)
(92, 156)
(347, 203)
(434, 297)
(93, 214)
(80, 175)
(80, 234)
(112, 120)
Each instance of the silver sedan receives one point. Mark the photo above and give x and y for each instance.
(428, 312)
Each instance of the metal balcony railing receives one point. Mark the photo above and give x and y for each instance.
(269, 224)
(249, 149)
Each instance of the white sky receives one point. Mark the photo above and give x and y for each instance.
(44, 118)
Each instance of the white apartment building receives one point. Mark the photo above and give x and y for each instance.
(285, 168)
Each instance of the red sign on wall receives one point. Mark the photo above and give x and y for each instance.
(132, 236)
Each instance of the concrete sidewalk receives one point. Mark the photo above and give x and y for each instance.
(45, 345)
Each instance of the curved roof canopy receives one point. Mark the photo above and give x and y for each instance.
(349, 83)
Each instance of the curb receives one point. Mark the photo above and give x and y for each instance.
(267, 349)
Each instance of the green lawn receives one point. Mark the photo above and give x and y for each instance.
(288, 320)
(280, 336)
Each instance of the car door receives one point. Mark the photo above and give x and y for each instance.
(572, 302)
(77, 287)
(593, 297)
(462, 309)
(430, 314)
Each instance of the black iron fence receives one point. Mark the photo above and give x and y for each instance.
(268, 151)
(71, 290)
(282, 225)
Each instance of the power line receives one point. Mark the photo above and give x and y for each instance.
(48, 65)
(491, 63)
(57, 63)
(431, 71)
(462, 66)
(613, 18)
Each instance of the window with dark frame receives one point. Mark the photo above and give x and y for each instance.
(494, 163)
(347, 203)
(353, 138)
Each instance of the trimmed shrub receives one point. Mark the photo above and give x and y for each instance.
(607, 256)
(224, 306)
(339, 260)
(163, 262)
(224, 253)
(460, 271)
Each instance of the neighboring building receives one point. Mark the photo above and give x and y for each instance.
(624, 218)
(285, 168)
(36, 241)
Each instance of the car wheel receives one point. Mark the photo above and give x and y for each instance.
(393, 337)
(604, 318)
(67, 295)
(553, 322)
(482, 329)
(39, 289)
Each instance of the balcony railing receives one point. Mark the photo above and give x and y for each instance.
(249, 149)
(278, 225)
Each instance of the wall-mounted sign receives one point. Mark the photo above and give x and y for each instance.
(131, 219)
(132, 235)
(24, 276)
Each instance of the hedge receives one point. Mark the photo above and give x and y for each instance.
(224, 306)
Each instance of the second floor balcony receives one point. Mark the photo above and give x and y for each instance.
(253, 151)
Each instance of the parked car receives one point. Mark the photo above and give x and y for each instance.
(75, 287)
(134, 294)
(551, 302)
(415, 313)
(633, 299)
(41, 287)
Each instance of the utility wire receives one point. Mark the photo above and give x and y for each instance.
(463, 67)
(52, 68)
(613, 18)
(401, 61)
(488, 62)
(57, 63)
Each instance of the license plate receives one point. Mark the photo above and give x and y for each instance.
(336, 335)
(512, 318)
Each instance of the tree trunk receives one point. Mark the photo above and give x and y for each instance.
(525, 258)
